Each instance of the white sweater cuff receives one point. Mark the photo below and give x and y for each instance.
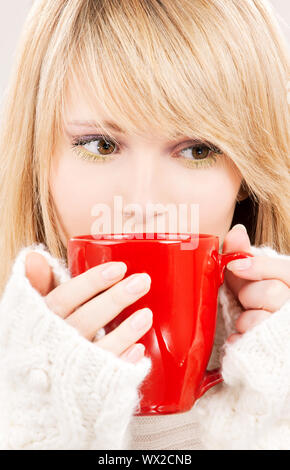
(59, 389)
(260, 359)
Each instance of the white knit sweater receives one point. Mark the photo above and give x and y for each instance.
(60, 391)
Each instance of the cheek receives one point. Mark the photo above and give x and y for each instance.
(218, 205)
(76, 188)
(215, 191)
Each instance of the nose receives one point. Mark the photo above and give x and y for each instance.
(149, 208)
(143, 196)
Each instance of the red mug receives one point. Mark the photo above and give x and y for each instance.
(185, 278)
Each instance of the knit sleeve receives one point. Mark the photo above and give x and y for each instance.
(57, 389)
(251, 408)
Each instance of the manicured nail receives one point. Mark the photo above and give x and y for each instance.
(141, 319)
(138, 283)
(239, 264)
(114, 271)
(239, 226)
(135, 353)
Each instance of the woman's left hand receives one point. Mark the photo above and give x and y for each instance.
(262, 288)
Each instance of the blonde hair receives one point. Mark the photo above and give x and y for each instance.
(211, 69)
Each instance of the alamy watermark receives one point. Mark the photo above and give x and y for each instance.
(157, 221)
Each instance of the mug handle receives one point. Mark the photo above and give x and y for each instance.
(213, 377)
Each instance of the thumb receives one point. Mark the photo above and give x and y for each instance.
(237, 239)
(39, 273)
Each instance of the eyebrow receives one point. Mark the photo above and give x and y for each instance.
(115, 127)
(93, 125)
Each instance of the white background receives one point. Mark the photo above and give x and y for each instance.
(12, 17)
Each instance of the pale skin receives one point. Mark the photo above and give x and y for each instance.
(89, 301)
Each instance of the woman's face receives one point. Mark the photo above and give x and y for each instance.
(139, 170)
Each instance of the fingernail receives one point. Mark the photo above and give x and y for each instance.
(138, 283)
(141, 319)
(239, 264)
(239, 226)
(135, 353)
(114, 271)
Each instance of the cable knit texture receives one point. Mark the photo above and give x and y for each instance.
(61, 391)
(251, 409)
(57, 389)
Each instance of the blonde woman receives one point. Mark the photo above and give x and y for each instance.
(163, 101)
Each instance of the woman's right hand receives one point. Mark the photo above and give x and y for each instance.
(91, 300)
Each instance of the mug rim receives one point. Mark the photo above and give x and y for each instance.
(90, 239)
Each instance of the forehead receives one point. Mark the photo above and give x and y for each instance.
(78, 106)
(88, 113)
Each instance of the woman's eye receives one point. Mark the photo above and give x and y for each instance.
(197, 156)
(199, 152)
(102, 148)
(96, 147)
